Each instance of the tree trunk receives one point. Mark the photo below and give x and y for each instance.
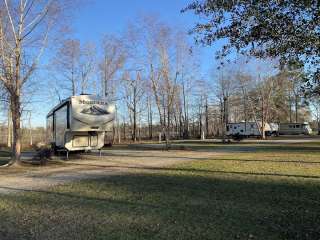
(150, 120)
(124, 131)
(225, 118)
(200, 125)
(16, 146)
(181, 126)
(118, 127)
(207, 119)
(134, 135)
(290, 110)
(9, 129)
(245, 113)
(167, 129)
(151, 127)
(296, 107)
(134, 114)
(263, 135)
(186, 117)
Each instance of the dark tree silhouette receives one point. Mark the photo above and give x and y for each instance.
(285, 29)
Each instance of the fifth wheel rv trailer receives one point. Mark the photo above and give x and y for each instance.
(295, 129)
(80, 123)
(247, 129)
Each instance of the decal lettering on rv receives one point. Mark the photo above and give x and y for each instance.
(92, 102)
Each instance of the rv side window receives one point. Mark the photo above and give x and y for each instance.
(252, 125)
(235, 127)
(297, 126)
(227, 127)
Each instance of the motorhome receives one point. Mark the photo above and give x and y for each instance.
(247, 129)
(295, 129)
(80, 123)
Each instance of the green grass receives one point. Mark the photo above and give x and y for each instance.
(308, 147)
(249, 147)
(248, 195)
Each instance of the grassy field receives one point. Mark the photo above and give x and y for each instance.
(248, 146)
(256, 192)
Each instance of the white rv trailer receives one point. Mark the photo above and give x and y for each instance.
(247, 129)
(80, 123)
(274, 129)
(295, 129)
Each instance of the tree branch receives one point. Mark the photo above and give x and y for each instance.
(11, 21)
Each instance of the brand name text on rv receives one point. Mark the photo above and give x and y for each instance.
(92, 102)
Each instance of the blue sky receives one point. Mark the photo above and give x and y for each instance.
(103, 16)
(99, 17)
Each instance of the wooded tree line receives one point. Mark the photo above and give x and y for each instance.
(152, 69)
(148, 70)
(152, 72)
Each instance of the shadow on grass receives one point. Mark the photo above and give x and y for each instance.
(194, 170)
(257, 148)
(168, 206)
(75, 157)
(247, 147)
(292, 140)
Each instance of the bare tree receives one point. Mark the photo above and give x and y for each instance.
(295, 78)
(87, 65)
(150, 113)
(166, 65)
(200, 92)
(134, 92)
(25, 27)
(225, 88)
(74, 65)
(264, 91)
(113, 60)
(67, 64)
(188, 68)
